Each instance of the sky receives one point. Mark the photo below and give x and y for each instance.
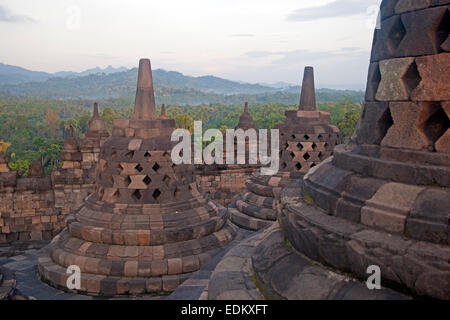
(256, 41)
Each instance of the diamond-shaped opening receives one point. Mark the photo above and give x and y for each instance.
(147, 155)
(156, 167)
(396, 35)
(130, 155)
(101, 192)
(437, 124)
(166, 154)
(137, 195)
(314, 146)
(300, 146)
(298, 166)
(176, 193)
(306, 137)
(283, 165)
(293, 136)
(292, 155)
(443, 30)
(306, 156)
(147, 180)
(320, 155)
(320, 137)
(119, 168)
(173, 165)
(116, 196)
(313, 165)
(411, 78)
(166, 179)
(286, 145)
(139, 168)
(156, 194)
(383, 125)
(128, 180)
(104, 166)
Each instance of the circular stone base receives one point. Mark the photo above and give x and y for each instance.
(257, 207)
(283, 273)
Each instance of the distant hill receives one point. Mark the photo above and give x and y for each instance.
(171, 87)
(13, 75)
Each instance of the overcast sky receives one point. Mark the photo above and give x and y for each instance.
(244, 40)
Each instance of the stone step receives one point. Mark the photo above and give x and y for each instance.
(256, 212)
(259, 189)
(98, 285)
(283, 273)
(420, 267)
(247, 222)
(260, 201)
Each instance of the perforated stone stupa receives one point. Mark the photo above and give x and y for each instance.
(307, 137)
(384, 198)
(147, 227)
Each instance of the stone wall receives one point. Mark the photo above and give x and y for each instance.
(27, 209)
(223, 183)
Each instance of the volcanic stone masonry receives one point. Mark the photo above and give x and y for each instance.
(223, 182)
(35, 207)
(146, 228)
(306, 138)
(384, 198)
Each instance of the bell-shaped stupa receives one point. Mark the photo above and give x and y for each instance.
(383, 201)
(146, 228)
(307, 137)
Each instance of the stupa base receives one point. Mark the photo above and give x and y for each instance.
(256, 208)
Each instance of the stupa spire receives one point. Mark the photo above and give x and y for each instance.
(144, 107)
(246, 107)
(308, 95)
(96, 114)
(163, 112)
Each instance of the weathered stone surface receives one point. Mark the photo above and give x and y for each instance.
(393, 86)
(373, 124)
(392, 217)
(407, 129)
(421, 27)
(443, 143)
(435, 78)
(410, 5)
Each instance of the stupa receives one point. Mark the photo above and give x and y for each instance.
(223, 182)
(146, 228)
(383, 200)
(307, 137)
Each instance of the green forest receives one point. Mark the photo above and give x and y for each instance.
(34, 129)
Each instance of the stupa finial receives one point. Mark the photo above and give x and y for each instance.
(308, 95)
(144, 107)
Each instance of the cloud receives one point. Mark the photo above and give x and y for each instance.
(243, 35)
(337, 8)
(7, 16)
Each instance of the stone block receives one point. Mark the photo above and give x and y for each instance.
(411, 5)
(390, 206)
(373, 124)
(421, 27)
(394, 74)
(435, 78)
(407, 128)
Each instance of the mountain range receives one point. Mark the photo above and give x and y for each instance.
(112, 82)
